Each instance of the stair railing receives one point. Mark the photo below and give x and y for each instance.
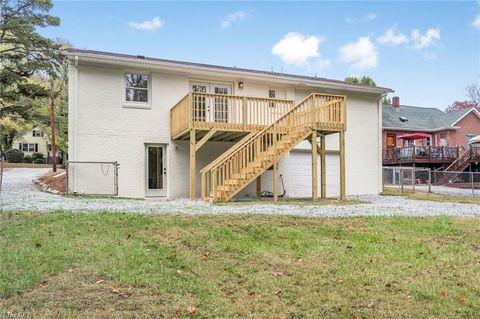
(266, 144)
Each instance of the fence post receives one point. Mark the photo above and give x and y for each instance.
(1, 173)
(116, 178)
(413, 179)
(473, 184)
(429, 181)
(401, 179)
(66, 176)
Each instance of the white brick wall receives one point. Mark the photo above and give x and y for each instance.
(101, 128)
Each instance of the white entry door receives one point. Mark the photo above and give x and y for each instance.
(211, 109)
(156, 170)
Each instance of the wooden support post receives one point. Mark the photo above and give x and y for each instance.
(342, 166)
(314, 166)
(205, 139)
(323, 168)
(275, 164)
(259, 186)
(192, 164)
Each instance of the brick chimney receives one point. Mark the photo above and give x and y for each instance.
(396, 102)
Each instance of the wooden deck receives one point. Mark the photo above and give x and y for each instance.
(232, 117)
(426, 155)
(265, 130)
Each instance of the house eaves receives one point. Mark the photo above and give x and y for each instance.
(464, 115)
(124, 60)
(435, 130)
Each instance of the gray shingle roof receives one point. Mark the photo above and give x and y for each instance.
(419, 118)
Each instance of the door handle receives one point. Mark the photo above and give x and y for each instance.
(165, 170)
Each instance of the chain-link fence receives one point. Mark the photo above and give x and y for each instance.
(92, 178)
(426, 180)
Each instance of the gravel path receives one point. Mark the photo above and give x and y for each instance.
(19, 194)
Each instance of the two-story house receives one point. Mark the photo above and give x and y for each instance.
(181, 129)
(35, 141)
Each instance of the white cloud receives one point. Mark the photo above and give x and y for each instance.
(234, 17)
(366, 18)
(148, 25)
(362, 54)
(392, 37)
(476, 22)
(296, 48)
(422, 41)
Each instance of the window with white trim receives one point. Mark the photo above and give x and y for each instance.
(28, 147)
(136, 88)
(37, 133)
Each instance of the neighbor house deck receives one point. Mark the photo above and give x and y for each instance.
(426, 155)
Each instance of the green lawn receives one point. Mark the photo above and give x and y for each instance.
(113, 265)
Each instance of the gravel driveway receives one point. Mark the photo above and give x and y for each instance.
(19, 194)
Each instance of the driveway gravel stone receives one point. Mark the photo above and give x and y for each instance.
(20, 194)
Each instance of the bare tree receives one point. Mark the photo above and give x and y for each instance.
(473, 93)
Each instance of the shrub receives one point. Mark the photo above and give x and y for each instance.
(28, 159)
(37, 155)
(39, 161)
(14, 156)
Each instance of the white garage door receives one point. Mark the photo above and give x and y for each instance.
(300, 174)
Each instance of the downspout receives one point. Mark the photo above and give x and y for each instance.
(75, 131)
(380, 141)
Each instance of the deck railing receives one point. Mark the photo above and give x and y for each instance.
(475, 153)
(226, 112)
(423, 153)
(312, 110)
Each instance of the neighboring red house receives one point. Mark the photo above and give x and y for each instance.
(452, 129)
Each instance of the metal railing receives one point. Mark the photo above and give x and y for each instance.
(426, 180)
(421, 153)
(92, 178)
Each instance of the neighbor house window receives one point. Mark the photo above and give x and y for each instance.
(37, 133)
(28, 147)
(136, 87)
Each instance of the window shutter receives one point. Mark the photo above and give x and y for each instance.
(20, 146)
(36, 147)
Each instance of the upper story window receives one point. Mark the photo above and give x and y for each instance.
(271, 94)
(136, 87)
(37, 133)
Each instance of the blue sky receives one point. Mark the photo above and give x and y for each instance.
(428, 52)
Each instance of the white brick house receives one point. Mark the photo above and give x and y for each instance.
(138, 111)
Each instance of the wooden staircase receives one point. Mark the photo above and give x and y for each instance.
(257, 152)
(456, 168)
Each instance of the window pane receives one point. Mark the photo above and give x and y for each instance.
(136, 80)
(136, 95)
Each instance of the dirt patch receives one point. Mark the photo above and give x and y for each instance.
(54, 181)
(77, 292)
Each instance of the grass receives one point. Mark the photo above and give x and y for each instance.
(111, 265)
(432, 197)
(295, 201)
